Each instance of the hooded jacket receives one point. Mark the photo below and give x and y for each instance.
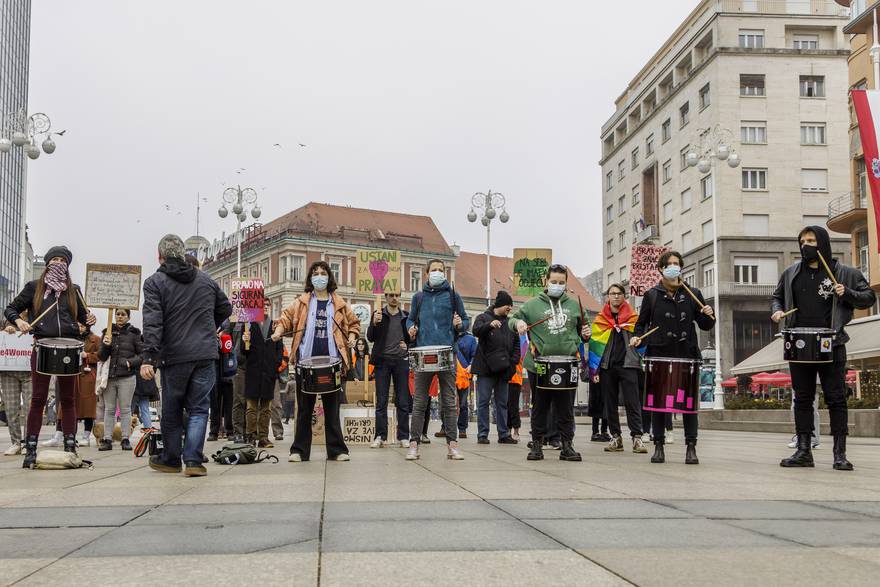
(183, 308)
(433, 309)
(559, 335)
(858, 294)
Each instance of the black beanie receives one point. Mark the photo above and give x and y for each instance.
(59, 251)
(502, 299)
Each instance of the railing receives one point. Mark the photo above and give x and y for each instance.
(795, 7)
(647, 233)
(731, 288)
(843, 204)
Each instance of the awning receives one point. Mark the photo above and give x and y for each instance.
(863, 345)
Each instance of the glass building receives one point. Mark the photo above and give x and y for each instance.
(15, 20)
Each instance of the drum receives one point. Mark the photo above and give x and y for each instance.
(59, 356)
(556, 373)
(808, 345)
(319, 375)
(672, 385)
(431, 359)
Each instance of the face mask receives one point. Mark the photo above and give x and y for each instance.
(319, 282)
(672, 272)
(810, 253)
(436, 278)
(555, 290)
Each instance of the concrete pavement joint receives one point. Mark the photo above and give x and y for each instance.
(321, 527)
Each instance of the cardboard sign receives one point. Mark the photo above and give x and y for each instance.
(643, 273)
(113, 286)
(377, 271)
(15, 352)
(529, 268)
(359, 425)
(247, 300)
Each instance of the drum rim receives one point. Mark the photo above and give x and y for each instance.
(431, 348)
(556, 359)
(809, 330)
(673, 360)
(68, 343)
(333, 361)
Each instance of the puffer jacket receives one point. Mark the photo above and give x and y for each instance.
(125, 351)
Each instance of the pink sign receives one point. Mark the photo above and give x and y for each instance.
(643, 273)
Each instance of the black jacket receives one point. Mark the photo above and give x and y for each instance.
(858, 293)
(376, 334)
(494, 341)
(676, 317)
(183, 308)
(58, 322)
(262, 361)
(127, 347)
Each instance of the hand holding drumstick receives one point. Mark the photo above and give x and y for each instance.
(636, 341)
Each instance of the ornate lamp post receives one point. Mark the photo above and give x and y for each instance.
(241, 200)
(489, 203)
(17, 129)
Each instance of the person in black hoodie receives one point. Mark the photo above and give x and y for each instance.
(57, 302)
(669, 307)
(183, 308)
(820, 303)
(494, 364)
(123, 349)
(388, 333)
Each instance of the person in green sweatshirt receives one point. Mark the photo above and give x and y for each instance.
(561, 334)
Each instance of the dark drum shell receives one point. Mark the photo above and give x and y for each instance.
(672, 385)
(319, 375)
(808, 345)
(61, 357)
(557, 373)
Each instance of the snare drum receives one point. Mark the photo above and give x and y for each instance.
(61, 357)
(672, 385)
(319, 375)
(808, 345)
(556, 373)
(431, 359)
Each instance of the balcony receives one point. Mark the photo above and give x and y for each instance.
(648, 233)
(844, 212)
(731, 289)
(794, 7)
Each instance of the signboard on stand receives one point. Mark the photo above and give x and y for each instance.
(529, 268)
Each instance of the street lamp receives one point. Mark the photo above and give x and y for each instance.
(17, 129)
(489, 203)
(241, 200)
(715, 145)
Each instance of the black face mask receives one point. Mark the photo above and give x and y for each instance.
(809, 253)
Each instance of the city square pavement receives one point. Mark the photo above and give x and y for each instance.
(492, 519)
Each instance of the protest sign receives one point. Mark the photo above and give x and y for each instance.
(247, 300)
(643, 273)
(377, 271)
(113, 286)
(529, 268)
(15, 352)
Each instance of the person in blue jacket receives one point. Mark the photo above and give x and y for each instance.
(437, 318)
(465, 349)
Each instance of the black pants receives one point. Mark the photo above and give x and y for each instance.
(615, 381)
(690, 421)
(221, 407)
(396, 371)
(803, 380)
(600, 423)
(513, 393)
(562, 405)
(302, 438)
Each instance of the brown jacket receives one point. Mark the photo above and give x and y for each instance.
(293, 318)
(86, 400)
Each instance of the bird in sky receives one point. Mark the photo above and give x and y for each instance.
(301, 145)
(277, 145)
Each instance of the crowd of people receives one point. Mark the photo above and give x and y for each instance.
(225, 380)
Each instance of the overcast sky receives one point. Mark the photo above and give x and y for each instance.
(408, 105)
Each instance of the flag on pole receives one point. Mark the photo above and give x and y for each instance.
(867, 105)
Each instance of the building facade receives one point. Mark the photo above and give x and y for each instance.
(15, 21)
(767, 71)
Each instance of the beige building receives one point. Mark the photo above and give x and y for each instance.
(773, 73)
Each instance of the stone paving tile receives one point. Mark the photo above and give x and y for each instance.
(864, 508)
(818, 532)
(15, 569)
(68, 517)
(86, 494)
(239, 513)
(47, 542)
(551, 509)
(756, 510)
(412, 510)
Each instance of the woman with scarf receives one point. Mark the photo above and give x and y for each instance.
(322, 324)
(615, 365)
(55, 294)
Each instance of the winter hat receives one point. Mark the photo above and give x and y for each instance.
(59, 251)
(502, 299)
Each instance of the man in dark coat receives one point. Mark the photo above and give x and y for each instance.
(263, 358)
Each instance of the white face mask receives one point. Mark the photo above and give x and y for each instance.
(319, 282)
(555, 290)
(436, 278)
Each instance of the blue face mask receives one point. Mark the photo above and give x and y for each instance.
(672, 272)
(319, 282)
(555, 290)
(436, 278)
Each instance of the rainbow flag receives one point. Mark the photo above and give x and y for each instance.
(601, 332)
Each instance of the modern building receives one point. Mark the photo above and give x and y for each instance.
(770, 72)
(15, 24)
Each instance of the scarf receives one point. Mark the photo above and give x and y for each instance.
(305, 347)
(55, 279)
(601, 331)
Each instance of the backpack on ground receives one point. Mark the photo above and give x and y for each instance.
(57, 459)
(239, 453)
(150, 441)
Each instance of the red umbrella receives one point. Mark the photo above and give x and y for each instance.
(729, 382)
(776, 378)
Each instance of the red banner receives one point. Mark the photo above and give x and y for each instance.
(867, 105)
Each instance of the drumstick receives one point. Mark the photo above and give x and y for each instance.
(38, 318)
(827, 268)
(789, 313)
(649, 333)
(696, 299)
(541, 321)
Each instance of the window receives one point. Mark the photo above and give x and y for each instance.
(862, 245)
(667, 171)
(756, 224)
(863, 183)
(609, 214)
(611, 277)
(336, 270)
(621, 240)
(297, 268)
(812, 86)
(623, 272)
(683, 156)
(621, 205)
(649, 145)
(709, 275)
(667, 212)
(609, 248)
(754, 179)
(686, 200)
(621, 169)
(751, 39)
(813, 133)
(636, 196)
(666, 130)
(707, 187)
(751, 85)
(635, 158)
(755, 270)
(684, 114)
(815, 220)
(687, 241)
(753, 133)
(806, 41)
(814, 180)
(264, 271)
(704, 97)
(690, 278)
(609, 180)
(708, 231)
(282, 269)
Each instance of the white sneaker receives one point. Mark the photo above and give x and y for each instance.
(56, 440)
(14, 449)
(85, 439)
(413, 453)
(815, 443)
(454, 454)
(378, 443)
(402, 444)
(294, 457)
(342, 457)
(670, 437)
(793, 443)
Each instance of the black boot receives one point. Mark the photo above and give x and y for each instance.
(568, 453)
(70, 443)
(840, 462)
(659, 456)
(690, 455)
(803, 456)
(537, 452)
(30, 452)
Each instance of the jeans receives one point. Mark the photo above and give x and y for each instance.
(396, 371)
(144, 412)
(562, 403)
(16, 388)
(486, 386)
(221, 407)
(186, 386)
(288, 403)
(619, 380)
(302, 437)
(832, 377)
(513, 419)
(463, 408)
(119, 390)
(421, 401)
